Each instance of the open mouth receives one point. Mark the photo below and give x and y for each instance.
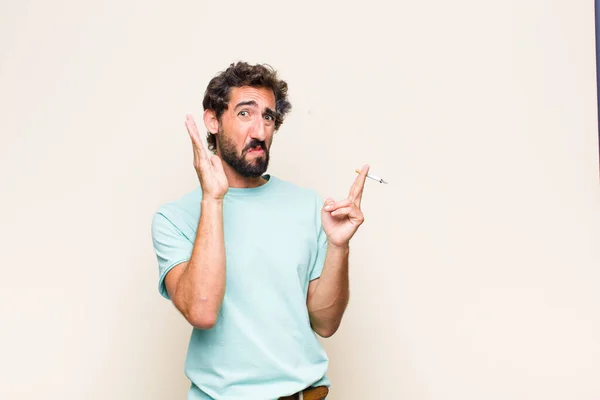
(255, 150)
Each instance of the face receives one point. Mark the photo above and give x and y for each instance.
(245, 132)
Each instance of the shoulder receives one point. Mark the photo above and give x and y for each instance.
(181, 211)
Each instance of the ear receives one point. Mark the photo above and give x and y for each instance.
(210, 121)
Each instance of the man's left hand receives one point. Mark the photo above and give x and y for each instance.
(341, 219)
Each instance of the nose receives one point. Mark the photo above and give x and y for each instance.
(259, 130)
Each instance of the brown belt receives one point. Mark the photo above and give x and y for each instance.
(312, 393)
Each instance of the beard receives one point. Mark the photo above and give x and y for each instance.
(246, 168)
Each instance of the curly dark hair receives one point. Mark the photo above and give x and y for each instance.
(240, 74)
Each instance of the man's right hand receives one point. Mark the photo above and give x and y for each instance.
(210, 170)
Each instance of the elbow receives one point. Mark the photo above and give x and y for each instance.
(201, 318)
(326, 330)
(203, 324)
(197, 313)
(203, 321)
(326, 333)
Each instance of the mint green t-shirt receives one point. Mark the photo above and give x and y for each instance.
(262, 345)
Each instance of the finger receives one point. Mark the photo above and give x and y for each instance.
(352, 213)
(195, 136)
(328, 201)
(341, 211)
(354, 189)
(194, 149)
(332, 205)
(359, 184)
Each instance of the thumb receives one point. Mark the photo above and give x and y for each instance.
(328, 201)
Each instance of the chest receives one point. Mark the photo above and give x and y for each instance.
(269, 246)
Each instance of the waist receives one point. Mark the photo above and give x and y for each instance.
(311, 393)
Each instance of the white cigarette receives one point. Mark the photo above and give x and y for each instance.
(376, 178)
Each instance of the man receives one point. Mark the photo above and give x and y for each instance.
(257, 265)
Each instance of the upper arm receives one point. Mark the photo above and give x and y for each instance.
(321, 246)
(173, 250)
(172, 278)
(318, 261)
(312, 286)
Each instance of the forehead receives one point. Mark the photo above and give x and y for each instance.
(264, 97)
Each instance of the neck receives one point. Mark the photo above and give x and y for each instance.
(238, 181)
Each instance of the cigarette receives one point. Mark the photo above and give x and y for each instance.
(376, 178)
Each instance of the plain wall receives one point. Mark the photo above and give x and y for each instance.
(476, 272)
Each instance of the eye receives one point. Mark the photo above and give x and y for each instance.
(269, 117)
(243, 113)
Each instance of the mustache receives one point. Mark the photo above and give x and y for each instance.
(255, 143)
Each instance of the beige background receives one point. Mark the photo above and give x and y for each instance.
(476, 273)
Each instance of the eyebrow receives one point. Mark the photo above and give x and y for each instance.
(253, 103)
(246, 103)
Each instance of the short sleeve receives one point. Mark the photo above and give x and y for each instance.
(317, 267)
(171, 246)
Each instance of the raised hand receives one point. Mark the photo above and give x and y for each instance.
(341, 219)
(210, 170)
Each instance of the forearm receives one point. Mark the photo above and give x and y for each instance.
(201, 288)
(328, 302)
